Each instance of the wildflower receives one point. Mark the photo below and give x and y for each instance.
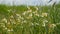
(10, 30)
(22, 18)
(24, 13)
(19, 17)
(57, 23)
(18, 20)
(12, 16)
(29, 17)
(8, 23)
(25, 21)
(37, 14)
(44, 14)
(2, 24)
(34, 12)
(13, 22)
(32, 24)
(37, 23)
(28, 7)
(45, 21)
(29, 11)
(18, 14)
(36, 8)
(4, 19)
(30, 14)
(5, 28)
(52, 25)
(43, 25)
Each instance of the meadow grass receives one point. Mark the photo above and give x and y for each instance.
(29, 19)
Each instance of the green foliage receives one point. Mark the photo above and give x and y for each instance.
(29, 19)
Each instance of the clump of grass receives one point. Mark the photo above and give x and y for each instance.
(29, 19)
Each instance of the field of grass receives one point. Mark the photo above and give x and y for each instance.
(30, 19)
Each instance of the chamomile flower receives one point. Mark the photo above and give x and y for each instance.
(44, 14)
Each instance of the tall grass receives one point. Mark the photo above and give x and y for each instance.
(29, 19)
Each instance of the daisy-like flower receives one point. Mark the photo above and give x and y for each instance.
(35, 12)
(52, 25)
(29, 11)
(44, 14)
